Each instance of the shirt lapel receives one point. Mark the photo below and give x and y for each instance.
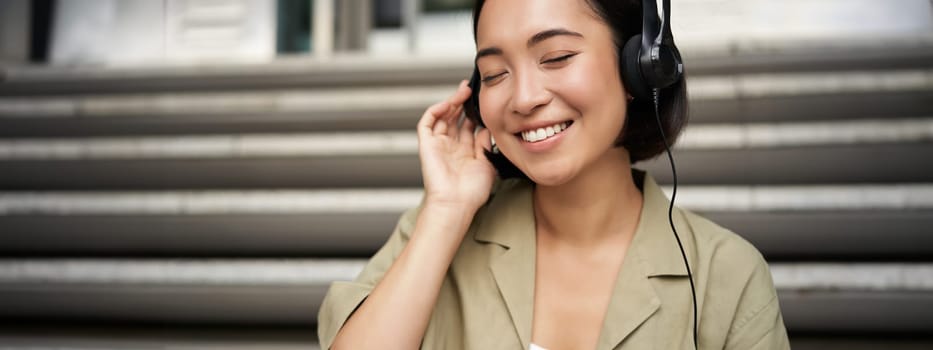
(653, 252)
(510, 223)
(633, 301)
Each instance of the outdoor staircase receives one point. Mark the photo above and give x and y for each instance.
(211, 207)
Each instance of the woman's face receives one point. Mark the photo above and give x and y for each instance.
(549, 63)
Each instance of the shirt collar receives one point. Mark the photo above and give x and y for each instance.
(654, 241)
(508, 220)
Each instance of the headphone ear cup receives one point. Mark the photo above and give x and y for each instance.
(630, 68)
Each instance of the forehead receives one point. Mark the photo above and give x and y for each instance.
(503, 20)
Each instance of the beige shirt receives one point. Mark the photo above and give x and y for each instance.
(486, 299)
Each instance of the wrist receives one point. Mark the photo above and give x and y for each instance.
(446, 219)
(453, 212)
(449, 207)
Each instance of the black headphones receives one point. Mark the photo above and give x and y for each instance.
(650, 62)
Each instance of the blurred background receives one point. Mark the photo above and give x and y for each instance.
(192, 174)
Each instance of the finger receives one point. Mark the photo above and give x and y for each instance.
(430, 117)
(466, 133)
(456, 115)
(457, 112)
(461, 95)
(452, 115)
(452, 129)
(441, 127)
(456, 103)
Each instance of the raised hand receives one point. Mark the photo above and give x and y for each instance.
(454, 169)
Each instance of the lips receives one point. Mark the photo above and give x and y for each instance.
(541, 134)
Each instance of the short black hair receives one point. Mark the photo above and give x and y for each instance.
(640, 134)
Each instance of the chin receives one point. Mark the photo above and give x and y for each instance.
(550, 175)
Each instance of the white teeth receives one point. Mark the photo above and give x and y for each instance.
(543, 133)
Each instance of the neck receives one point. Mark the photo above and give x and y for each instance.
(599, 204)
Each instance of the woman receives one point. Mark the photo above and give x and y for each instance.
(572, 248)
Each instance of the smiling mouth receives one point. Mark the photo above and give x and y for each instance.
(545, 133)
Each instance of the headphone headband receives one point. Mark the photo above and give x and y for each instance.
(650, 28)
(668, 36)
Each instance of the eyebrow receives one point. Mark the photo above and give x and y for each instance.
(534, 40)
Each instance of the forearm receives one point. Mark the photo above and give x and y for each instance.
(396, 313)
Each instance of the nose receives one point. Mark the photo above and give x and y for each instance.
(529, 94)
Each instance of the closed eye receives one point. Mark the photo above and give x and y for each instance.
(560, 59)
(490, 78)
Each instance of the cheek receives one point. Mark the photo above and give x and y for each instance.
(585, 88)
(597, 95)
(490, 109)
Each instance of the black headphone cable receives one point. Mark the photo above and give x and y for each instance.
(670, 216)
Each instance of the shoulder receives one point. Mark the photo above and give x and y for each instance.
(736, 274)
(732, 260)
(721, 242)
(707, 244)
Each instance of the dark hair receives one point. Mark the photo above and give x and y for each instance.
(640, 134)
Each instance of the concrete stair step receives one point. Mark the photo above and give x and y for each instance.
(848, 106)
(851, 235)
(103, 336)
(698, 137)
(350, 70)
(857, 222)
(57, 336)
(887, 163)
(860, 342)
(855, 235)
(918, 196)
(287, 292)
(853, 151)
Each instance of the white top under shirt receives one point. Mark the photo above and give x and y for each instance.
(534, 346)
